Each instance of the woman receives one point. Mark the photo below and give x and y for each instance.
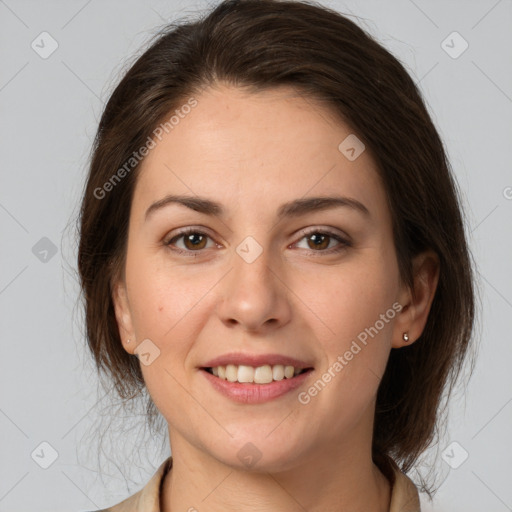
(272, 244)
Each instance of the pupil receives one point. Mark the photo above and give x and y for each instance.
(191, 237)
(194, 243)
(318, 240)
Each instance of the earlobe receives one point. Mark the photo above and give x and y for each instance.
(123, 317)
(416, 303)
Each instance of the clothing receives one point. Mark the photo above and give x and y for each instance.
(404, 495)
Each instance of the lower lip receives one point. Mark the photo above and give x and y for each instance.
(256, 393)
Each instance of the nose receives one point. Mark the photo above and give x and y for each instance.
(254, 295)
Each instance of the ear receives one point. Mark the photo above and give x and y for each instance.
(123, 317)
(416, 303)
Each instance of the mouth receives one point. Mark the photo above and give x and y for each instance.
(255, 378)
(255, 385)
(260, 375)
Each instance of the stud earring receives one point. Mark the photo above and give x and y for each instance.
(127, 341)
(406, 337)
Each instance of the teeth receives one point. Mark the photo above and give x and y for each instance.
(245, 373)
(260, 375)
(289, 371)
(231, 373)
(278, 372)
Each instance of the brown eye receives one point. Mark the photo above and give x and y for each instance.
(319, 241)
(193, 241)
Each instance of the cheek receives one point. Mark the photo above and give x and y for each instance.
(153, 295)
(165, 302)
(166, 307)
(349, 300)
(357, 318)
(353, 339)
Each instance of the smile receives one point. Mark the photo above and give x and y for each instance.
(278, 380)
(258, 375)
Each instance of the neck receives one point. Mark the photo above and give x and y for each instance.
(322, 480)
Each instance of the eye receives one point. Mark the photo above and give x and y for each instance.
(319, 241)
(195, 240)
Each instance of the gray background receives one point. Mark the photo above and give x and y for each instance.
(49, 112)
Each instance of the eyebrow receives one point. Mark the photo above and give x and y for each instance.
(294, 208)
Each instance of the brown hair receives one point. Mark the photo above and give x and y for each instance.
(260, 44)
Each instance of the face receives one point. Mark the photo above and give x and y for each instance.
(307, 286)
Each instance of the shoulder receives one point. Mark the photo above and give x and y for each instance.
(404, 494)
(146, 499)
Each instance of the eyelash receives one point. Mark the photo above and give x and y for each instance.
(344, 244)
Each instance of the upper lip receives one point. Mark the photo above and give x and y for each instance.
(255, 360)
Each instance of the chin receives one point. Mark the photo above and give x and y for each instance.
(258, 453)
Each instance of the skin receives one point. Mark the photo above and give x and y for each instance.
(251, 152)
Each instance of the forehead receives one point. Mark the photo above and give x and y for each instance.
(256, 149)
